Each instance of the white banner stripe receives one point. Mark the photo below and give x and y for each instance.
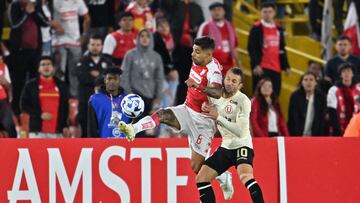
(282, 169)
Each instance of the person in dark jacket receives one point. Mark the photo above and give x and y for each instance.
(266, 47)
(164, 45)
(307, 108)
(91, 66)
(25, 43)
(44, 104)
(102, 17)
(105, 111)
(185, 19)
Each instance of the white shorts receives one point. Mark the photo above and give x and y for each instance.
(199, 128)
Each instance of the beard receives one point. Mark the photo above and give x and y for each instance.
(95, 54)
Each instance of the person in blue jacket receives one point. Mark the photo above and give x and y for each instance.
(104, 107)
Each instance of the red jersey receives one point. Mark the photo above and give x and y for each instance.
(271, 49)
(4, 74)
(204, 76)
(49, 102)
(142, 16)
(124, 42)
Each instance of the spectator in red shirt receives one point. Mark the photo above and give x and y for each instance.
(223, 32)
(266, 117)
(44, 104)
(266, 47)
(143, 18)
(342, 100)
(117, 43)
(6, 115)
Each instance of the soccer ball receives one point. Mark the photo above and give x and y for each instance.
(132, 105)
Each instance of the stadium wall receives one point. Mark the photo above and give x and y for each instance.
(158, 170)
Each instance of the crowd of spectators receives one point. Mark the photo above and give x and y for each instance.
(60, 51)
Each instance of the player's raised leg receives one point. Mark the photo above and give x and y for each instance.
(165, 116)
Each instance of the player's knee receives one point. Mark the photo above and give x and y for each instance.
(244, 177)
(200, 178)
(164, 114)
(195, 166)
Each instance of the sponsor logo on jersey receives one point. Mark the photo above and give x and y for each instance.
(228, 109)
(196, 77)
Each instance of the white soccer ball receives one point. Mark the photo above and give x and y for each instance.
(132, 105)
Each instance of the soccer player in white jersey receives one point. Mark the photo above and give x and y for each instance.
(205, 80)
(232, 114)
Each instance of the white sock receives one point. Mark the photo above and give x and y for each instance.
(143, 124)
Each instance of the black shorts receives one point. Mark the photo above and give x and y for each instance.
(223, 159)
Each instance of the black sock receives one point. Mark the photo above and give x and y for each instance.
(206, 192)
(255, 191)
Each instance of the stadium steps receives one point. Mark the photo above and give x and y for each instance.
(300, 48)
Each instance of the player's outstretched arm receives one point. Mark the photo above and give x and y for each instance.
(213, 91)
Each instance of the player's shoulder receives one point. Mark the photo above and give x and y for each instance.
(242, 98)
(214, 66)
(96, 97)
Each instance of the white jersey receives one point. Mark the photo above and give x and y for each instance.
(67, 12)
(233, 121)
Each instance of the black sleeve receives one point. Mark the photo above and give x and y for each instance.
(292, 116)
(253, 47)
(92, 124)
(65, 108)
(322, 113)
(160, 48)
(334, 122)
(25, 100)
(83, 74)
(283, 55)
(329, 70)
(2, 11)
(111, 15)
(17, 16)
(40, 17)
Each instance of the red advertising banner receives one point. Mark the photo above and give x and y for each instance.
(115, 170)
(323, 169)
(158, 170)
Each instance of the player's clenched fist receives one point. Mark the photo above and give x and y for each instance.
(191, 83)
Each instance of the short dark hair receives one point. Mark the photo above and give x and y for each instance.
(160, 20)
(345, 66)
(237, 71)
(46, 58)
(96, 36)
(205, 43)
(99, 81)
(215, 5)
(112, 71)
(343, 37)
(268, 5)
(125, 14)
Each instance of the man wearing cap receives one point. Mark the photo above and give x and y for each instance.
(224, 35)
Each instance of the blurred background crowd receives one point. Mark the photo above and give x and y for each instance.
(300, 58)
